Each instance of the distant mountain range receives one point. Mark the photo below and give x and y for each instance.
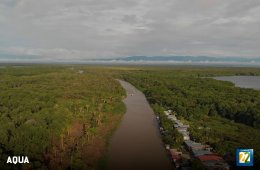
(137, 60)
(184, 59)
(11, 57)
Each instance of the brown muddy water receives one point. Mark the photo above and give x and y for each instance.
(137, 144)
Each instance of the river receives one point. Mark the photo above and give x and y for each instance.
(137, 144)
(243, 81)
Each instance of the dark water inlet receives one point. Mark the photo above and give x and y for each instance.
(137, 143)
(243, 81)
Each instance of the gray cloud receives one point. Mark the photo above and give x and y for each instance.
(82, 29)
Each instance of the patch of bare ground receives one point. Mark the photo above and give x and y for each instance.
(81, 142)
(96, 147)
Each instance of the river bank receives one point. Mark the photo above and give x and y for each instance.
(137, 142)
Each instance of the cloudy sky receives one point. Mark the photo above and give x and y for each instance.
(83, 29)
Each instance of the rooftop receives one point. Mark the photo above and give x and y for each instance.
(210, 157)
(201, 152)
